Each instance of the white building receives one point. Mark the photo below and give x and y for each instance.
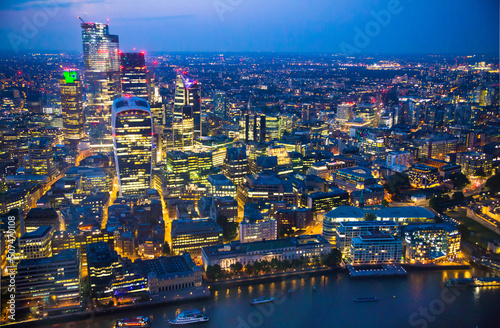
(281, 249)
(375, 247)
(264, 229)
(346, 231)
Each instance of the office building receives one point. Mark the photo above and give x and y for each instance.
(340, 214)
(219, 185)
(344, 112)
(134, 75)
(474, 163)
(72, 107)
(254, 127)
(255, 227)
(235, 166)
(292, 248)
(321, 202)
(102, 71)
(353, 178)
(267, 187)
(41, 281)
(224, 206)
(220, 105)
(431, 242)
(187, 104)
(191, 235)
(133, 144)
(375, 247)
(406, 215)
(36, 244)
(423, 176)
(399, 160)
(173, 274)
(41, 158)
(346, 231)
(38, 217)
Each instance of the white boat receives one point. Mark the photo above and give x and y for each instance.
(262, 299)
(134, 322)
(188, 317)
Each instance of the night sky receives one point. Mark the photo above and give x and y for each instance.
(331, 26)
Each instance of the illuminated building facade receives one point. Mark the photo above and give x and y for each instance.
(133, 144)
(41, 158)
(236, 166)
(340, 214)
(430, 242)
(37, 244)
(102, 70)
(474, 163)
(187, 104)
(72, 107)
(220, 104)
(254, 127)
(346, 231)
(134, 75)
(375, 247)
(292, 248)
(423, 176)
(220, 186)
(352, 178)
(191, 235)
(58, 281)
(255, 227)
(344, 112)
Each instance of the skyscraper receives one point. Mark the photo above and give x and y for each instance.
(188, 93)
(41, 158)
(220, 104)
(133, 144)
(134, 75)
(72, 108)
(102, 70)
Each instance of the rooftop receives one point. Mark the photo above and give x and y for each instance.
(38, 233)
(405, 212)
(345, 212)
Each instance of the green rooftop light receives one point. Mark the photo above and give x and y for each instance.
(70, 76)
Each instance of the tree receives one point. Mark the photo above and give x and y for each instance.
(249, 269)
(238, 266)
(287, 264)
(229, 229)
(333, 258)
(166, 249)
(214, 272)
(493, 184)
(385, 203)
(459, 180)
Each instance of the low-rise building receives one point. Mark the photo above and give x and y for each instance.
(423, 176)
(36, 244)
(281, 249)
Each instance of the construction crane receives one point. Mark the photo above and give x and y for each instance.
(81, 20)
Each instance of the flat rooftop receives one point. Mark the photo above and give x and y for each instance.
(345, 212)
(405, 212)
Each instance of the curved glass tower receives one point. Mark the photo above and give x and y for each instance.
(133, 144)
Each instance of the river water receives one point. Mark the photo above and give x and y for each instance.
(420, 300)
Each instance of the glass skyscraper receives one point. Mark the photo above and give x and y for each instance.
(72, 107)
(220, 104)
(134, 75)
(188, 93)
(102, 71)
(133, 144)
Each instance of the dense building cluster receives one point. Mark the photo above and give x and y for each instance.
(128, 174)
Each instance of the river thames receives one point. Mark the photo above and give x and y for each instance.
(420, 300)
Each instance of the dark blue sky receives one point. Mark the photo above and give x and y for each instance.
(414, 26)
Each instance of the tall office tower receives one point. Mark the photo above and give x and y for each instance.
(306, 112)
(183, 134)
(134, 75)
(133, 144)
(220, 104)
(72, 108)
(41, 157)
(235, 166)
(188, 93)
(254, 127)
(102, 71)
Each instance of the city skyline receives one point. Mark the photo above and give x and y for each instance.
(389, 27)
